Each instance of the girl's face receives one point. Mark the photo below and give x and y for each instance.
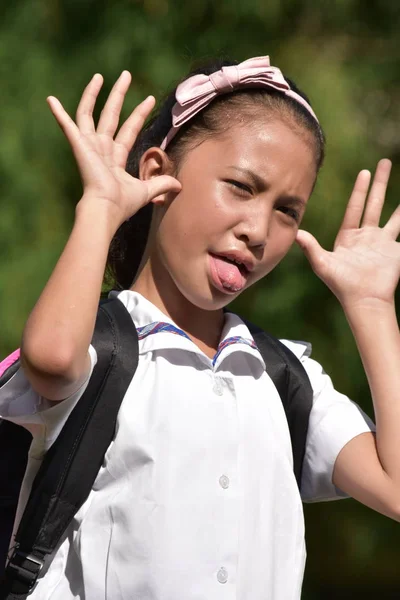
(243, 196)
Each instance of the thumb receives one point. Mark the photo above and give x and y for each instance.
(314, 252)
(156, 186)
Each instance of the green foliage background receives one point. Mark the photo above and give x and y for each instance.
(344, 53)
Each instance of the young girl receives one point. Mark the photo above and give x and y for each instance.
(196, 498)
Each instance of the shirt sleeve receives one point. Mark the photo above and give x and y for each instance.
(334, 421)
(22, 405)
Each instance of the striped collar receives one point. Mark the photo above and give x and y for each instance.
(160, 327)
(156, 332)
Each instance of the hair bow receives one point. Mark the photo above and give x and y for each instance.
(196, 92)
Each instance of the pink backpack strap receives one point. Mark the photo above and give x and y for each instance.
(10, 360)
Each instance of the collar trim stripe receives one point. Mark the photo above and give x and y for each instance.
(160, 327)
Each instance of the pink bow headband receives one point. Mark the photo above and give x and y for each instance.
(196, 92)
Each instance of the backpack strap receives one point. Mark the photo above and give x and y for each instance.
(14, 447)
(294, 387)
(70, 467)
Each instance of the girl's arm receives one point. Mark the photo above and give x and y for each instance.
(57, 335)
(368, 467)
(363, 271)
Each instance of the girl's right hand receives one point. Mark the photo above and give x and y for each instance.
(101, 157)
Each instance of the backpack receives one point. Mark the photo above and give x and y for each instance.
(70, 466)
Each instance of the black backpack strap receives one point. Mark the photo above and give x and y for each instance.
(70, 467)
(14, 446)
(294, 387)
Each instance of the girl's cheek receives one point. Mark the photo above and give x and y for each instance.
(220, 213)
(283, 228)
(279, 242)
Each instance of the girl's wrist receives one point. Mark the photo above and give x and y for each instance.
(98, 212)
(371, 313)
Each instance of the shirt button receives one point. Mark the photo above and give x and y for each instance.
(224, 482)
(217, 387)
(222, 575)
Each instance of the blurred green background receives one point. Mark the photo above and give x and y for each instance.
(345, 54)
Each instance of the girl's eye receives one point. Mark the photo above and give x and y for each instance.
(240, 188)
(290, 212)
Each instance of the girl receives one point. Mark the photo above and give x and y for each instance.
(196, 498)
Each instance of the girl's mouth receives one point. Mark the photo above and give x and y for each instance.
(228, 275)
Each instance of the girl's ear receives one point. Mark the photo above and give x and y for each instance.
(153, 163)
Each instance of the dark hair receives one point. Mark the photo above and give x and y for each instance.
(128, 244)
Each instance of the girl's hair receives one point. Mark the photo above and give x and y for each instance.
(128, 245)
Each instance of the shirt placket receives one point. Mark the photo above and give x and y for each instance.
(224, 430)
(226, 487)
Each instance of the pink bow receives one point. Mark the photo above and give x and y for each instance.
(196, 92)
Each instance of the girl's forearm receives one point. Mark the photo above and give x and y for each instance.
(59, 329)
(376, 332)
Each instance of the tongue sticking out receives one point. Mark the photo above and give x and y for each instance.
(229, 274)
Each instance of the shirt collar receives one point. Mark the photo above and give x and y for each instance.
(157, 331)
(142, 311)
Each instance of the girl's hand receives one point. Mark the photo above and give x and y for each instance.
(364, 267)
(101, 157)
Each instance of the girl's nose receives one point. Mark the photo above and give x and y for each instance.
(254, 226)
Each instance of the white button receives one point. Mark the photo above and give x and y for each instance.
(222, 575)
(224, 482)
(217, 387)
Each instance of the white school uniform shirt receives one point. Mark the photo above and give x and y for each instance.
(196, 498)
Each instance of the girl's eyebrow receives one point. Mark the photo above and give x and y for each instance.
(261, 185)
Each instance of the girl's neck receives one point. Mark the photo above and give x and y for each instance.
(204, 327)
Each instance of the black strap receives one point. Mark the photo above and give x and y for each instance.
(294, 387)
(70, 467)
(14, 446)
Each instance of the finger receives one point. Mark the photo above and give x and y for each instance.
(393, 225)
(161, 185)
(315, 254)
(355, 206)
(376, 196)
(67, 125)
(110, 114)
(129, 131)
(84, 113)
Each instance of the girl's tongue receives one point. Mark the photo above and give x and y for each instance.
(229, 274)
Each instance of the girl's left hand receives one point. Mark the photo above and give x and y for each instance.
(364, 267)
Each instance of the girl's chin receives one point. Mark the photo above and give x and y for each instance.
(207, 297)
